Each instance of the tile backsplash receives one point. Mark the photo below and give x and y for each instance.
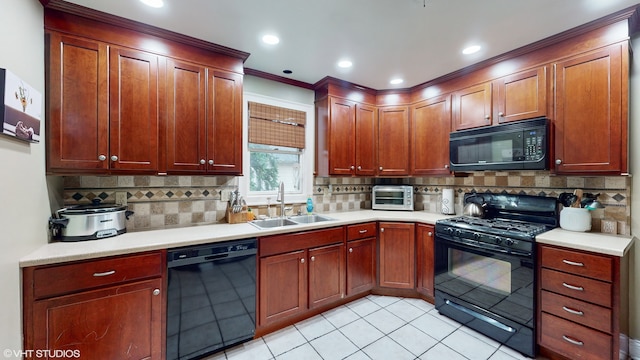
(175, 201)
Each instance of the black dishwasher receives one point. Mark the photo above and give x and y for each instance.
(211, 298)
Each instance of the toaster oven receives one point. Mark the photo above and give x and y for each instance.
(392, 197)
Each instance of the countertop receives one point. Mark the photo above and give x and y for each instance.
(132, 242)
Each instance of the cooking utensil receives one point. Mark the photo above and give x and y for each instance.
(578, 199)
(473, 207)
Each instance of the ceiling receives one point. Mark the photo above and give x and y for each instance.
(417, 40)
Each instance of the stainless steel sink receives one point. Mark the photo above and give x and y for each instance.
(272, 223)
(310, 219)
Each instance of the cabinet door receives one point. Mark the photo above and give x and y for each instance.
(77, 109)
(472, 107)
(133, 118)
(425, 247)
(397, 255)
(341, 137)
(522, 95)
(224, 122)
(120, 322)
(430, 128)
(361, 265)
(186, 127)
(326, 275)
(283, 286)
(591, 112)
(366, 136)
(393, 141)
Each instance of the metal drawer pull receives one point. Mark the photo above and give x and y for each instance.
(106, 273)
(572, 263)
(363, 231)
(578, 288)
(571, 311)
(572, 341)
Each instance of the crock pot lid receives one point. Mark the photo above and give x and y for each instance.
(93, 208)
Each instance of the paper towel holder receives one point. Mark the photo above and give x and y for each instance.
(448, 202)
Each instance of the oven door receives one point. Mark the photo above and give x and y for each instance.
(488, 291)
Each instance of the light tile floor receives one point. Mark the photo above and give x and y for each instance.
(374, 327)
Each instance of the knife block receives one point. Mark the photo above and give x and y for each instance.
(236, 218)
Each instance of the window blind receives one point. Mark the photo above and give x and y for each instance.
(276, 126)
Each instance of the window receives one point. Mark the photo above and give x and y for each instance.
(279, 137)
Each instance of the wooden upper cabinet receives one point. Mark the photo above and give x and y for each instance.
(521, 96)
(186, 122)
(366, 131)
(591, 112)
(224, 122)
(77, 104)
(133, 115)
(472, 107)
(341, 136)
(393, 141)
(430, 128)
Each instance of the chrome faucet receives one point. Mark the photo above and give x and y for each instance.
(280, 198)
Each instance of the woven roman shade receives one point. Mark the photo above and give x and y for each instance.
(277, 126)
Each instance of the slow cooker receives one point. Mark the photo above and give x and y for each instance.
(89, 222)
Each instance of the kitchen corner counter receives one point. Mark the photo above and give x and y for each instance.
(133, 242)
(616, 245)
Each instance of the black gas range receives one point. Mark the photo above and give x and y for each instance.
(485, 267)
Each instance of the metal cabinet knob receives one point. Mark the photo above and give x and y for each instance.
(501, 114)
(359, 167)
(380, 168)
(350, 250)
(313, 258)
(302, 261)
(381, 229)
(352, 167)
(202, 162)
(156, 292)
(430, 233)
(102, 157)
(487, 117)
(210, 162)
(558, 161)
(114, 158)
(446, 166)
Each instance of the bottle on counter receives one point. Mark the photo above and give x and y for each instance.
(250, 215)
(309, 205)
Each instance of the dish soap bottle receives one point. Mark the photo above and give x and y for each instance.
(309, 205)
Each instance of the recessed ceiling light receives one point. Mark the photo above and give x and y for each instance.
(471, 49)
(345, 64)
(153, 3)
(270, 39)
(396, 81)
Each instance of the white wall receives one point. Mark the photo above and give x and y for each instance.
(634, 158)
(24, 198)
(277, 90)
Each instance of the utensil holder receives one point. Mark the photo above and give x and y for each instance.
(575, 219)
(238, 217)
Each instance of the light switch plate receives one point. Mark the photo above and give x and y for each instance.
(121, 198)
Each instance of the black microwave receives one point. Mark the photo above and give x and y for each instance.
(519, 145)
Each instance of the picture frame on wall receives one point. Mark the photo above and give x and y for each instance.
(21, 108)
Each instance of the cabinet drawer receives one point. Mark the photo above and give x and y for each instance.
(589, 265)
(593, 291)
(361, 231)
(594, 316)
(279, 244)
(572, 340)
(64, 279)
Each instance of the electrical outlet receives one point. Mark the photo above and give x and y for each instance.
(121, 198)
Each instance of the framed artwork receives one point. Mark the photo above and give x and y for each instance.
(21, 108)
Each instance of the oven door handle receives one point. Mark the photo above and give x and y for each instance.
(480, 316)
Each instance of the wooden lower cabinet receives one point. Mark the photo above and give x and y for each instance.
(299, 272)
(108, 316)
(425, 269)
(583, 309)
(361, 258)
(397, 255)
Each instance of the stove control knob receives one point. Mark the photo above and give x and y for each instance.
(498, 240)
(458, 233)
(449, 230)
(509, 242)
(476, 236)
